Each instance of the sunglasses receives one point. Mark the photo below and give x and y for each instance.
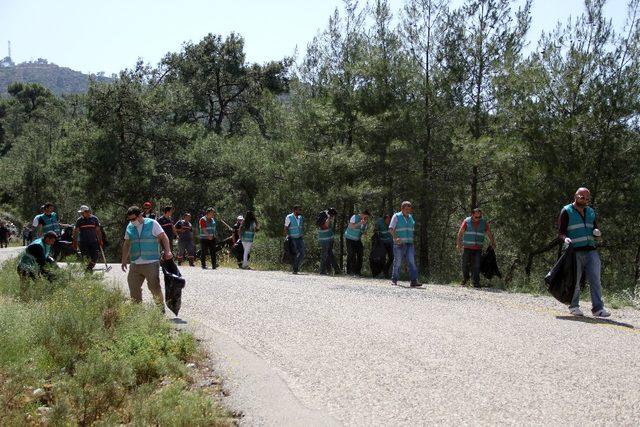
(583, 197)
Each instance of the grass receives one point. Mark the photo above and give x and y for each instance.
(77, 352)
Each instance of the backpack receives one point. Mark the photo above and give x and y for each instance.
(321, 219)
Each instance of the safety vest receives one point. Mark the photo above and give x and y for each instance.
(145, 244)
(248, 234)
(211, 227)
(50, 223)
(295, 226)
(383, 231)
(28, 261)
(580, 230)
(325, 235)
(404, 227)
(354, 233)
(474, 237)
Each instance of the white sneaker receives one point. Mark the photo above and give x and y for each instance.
(575, 311)
(602, 313)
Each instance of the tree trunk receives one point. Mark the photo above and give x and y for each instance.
(474, 187)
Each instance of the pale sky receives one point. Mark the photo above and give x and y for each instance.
(110, 35)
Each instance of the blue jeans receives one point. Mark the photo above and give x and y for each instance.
(588, 262)
(298, 247)
(407, 252)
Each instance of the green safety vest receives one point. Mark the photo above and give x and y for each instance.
(295, 226)
(383, 231)
(145, 244)
(474, 237)
(404, 228)
(580, 230)
(325, 235)
(211, 227)
(355, 233)
(248, 234)
(28, 261)
(50, 223)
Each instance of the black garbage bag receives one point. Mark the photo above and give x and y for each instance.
(237, 250)
(561, 280)
(173, 284)
(288, 253)
(377, 256)
(489, 265)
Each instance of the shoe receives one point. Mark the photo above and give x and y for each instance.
(246, 268)
(575, 311)
(602, 313)
(415, 284)
(463, 283)
(295, 272)
(393, 283)
(204, 267)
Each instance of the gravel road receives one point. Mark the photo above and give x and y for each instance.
(318, 350)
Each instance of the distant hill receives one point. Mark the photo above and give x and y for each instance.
(60, 80)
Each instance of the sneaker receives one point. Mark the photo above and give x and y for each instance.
(575, 311)
(463, 283)
(602, 313)
(415, 284)
(204, 267)
(394, 283)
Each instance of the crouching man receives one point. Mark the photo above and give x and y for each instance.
(140, 248)
(36, 257)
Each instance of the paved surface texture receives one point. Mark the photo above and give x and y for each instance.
(315, 350)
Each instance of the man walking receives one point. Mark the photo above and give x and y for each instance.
(471, 238)
(185, 239)
(353, 234)
(208, 232)
(382, 228)
(577, 226)
(4, 235)
(401, 227)
(88, 226)
(325, 238)
(166, 222)
(140, 248)
(293, 227)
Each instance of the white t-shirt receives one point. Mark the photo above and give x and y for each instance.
(35, 221)
(394, 222)
(156, 231)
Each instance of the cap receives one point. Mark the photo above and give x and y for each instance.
(240, 218)
(146, 204)
(84, 208)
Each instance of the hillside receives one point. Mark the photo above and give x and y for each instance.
(60, 80)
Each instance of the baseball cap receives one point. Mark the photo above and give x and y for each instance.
(84, 208)
(146, 204)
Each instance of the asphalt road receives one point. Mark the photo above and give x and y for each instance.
(315, 350)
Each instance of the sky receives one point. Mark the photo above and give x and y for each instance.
(110, 35)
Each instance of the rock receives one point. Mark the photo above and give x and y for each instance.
(38, 393)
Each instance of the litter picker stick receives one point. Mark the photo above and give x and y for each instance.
(107, 267)
(230, 228)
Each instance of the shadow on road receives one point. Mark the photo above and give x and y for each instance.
(596, 321)
(178, 321)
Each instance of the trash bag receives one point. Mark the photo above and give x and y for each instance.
(173, 284)
(237, 250)
(377, 256)
(489, 265)
(561, 279)
(288, 251)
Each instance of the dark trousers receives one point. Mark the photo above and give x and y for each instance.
(90, 251)
(207, 245)
(298, 246)
(471, 262)
(388, 247)
(354, 256)
(327, 259)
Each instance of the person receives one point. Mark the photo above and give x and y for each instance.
(293, 227)
(48, 221)
(36, 257)
(90, 236)
(469, 242)
(325, 238)
(4, 235)
(148, 210)
(34, 223)
(166, 222)
(185, 239)
(353, 234)
(140, 249)
(208, 232)
(577, 227)
(247, 231)
(235, 237)
(382, 228)
(401, 228)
